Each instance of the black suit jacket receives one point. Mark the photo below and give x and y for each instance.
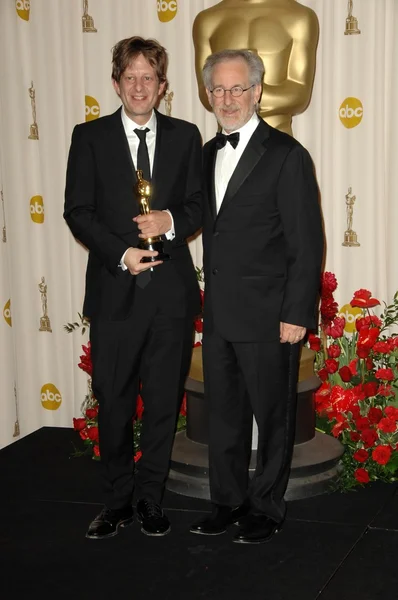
(100, 205)
(263, 251)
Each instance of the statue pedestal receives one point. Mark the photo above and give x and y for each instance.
(315, 455)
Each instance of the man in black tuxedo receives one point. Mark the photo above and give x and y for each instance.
(263, 246)
(141, 313)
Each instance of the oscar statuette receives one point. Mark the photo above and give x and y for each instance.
(350, 236)
(143, 192)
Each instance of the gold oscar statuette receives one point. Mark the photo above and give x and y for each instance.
(168, 98)
(4, 218)
(87, 21)
(351, 23)
(350, 237)
(34, 130)
(45, 324)
(143, 193)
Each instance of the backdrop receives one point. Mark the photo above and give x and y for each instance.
(55, 73)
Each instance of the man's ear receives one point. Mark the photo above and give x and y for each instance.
(116, 86)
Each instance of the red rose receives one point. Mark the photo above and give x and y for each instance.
(345, 374)
(334, 351)
(139, 408)
(92, 434)
(363, 299)
(91, 413)
(361, 475)
(85, 360)
(328, 283)
(361, 455)
(375, 414)
(328, 310)
(392, 412)
(336, 328)
(354, 435)
(369, 437)
(323, 374)
(96, 450)
(385, 390)
(362, 423)
(79, 424)
(370, 389)
(322, 397)
(382, 347)
(385, 374)
(331, 365)
(83, 434)
(339, 428)
(387, 425)
(198, 324)
(353, 366)
(369, 320)
(381, 454)
(137, 456)
(183, 409)
(314, 342)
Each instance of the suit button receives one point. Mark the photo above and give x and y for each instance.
(216, 233)
(215, 271)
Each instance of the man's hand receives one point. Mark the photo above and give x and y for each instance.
(291, 333)
(133, 257)
(156, 223)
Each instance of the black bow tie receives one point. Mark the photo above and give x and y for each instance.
(232, 138)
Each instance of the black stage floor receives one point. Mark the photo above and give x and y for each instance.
(332, 547)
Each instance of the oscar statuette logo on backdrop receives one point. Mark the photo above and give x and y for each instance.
(167, 10)
(23, 9)
(351, 112)
(87, 21)
(36, 206)
(45, 324)
(351, 23)
(7, 312)
(92, 108)
(350, 236)
(4, 218)
(34, 129)
(51, 398)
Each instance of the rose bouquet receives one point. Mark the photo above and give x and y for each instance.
(357, 400)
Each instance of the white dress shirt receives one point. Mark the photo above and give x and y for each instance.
(133, 141)
(228, 158)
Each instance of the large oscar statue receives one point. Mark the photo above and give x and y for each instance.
(284, 33)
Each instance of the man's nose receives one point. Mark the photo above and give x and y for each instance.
(228, 99)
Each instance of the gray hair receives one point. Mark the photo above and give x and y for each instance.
(253, 61)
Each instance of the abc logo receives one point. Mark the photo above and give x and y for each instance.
(37, 209)
(92, 108)
(23, 9)
(351, 112)
(351, 314)
(50, 397)
(167, 10)
(7, 312)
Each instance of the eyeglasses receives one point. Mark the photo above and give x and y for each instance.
(236, 91)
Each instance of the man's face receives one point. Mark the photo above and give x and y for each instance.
(232, 113)
(139, 89)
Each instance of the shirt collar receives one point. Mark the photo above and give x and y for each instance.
(129, 125)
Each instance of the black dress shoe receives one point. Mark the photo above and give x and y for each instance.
(153, 520)
(107, 523)
(221, 518)
(257, 529)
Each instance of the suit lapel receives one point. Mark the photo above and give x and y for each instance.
(163, 159)
(120, 148)
(249, 159)
(210, 179)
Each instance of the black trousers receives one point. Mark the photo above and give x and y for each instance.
(242, 379)
(153, 348)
